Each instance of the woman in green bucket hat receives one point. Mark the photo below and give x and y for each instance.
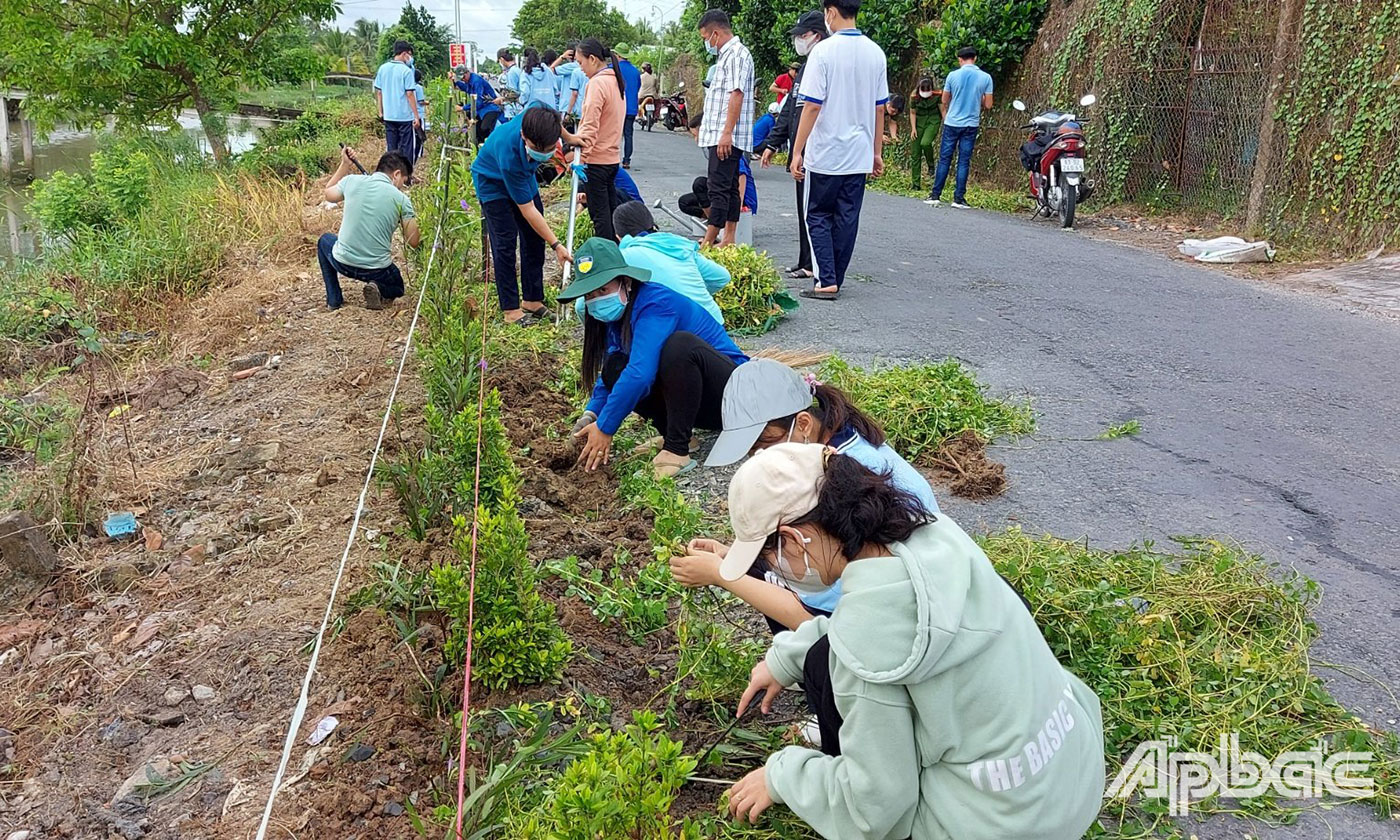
(648, 350)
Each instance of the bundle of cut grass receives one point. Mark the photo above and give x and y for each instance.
(755, 299)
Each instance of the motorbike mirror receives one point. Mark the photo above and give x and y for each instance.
(1018, 105)
(1088, 99)
(680, 85)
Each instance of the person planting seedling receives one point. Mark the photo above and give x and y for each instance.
(767, 403)
(942, 711)
(374, 206)
(647, 349)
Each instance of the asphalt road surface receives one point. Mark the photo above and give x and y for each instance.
(1269, 417)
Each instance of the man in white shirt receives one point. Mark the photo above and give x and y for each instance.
(839, 141)
(726, 131)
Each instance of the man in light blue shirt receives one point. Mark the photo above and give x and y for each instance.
(967, 92)
(506, 59)
(396, 97)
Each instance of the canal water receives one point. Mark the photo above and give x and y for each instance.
(68, 150)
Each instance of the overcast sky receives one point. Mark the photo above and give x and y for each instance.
(487, 22)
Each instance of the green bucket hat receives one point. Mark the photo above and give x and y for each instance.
(595, 263)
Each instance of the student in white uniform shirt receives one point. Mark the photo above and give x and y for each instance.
(840, 140)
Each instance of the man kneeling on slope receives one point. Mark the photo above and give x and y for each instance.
(374, 206)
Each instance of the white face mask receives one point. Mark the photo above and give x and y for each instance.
(925, 94)
(802, 45)
(810, 583)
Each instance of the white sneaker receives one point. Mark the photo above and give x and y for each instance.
(932, 202)
(961, 206)
(811, 732)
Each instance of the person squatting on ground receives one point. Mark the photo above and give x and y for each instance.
(488, 102)
(396, 100)
(894, 109)
(839, 141)
(374, 206)
(767, 403)
(504, 176)
(674, 261)
(809, 31)
(942, 712)
(647, 349)
(600, 132)
(726, 128)
(925, 118)
(967, 92)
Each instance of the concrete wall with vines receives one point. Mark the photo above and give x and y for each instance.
(1275, 114)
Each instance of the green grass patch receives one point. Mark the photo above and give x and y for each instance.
(921, 406)
(898, 180)
(1128, 429)
(306, 96)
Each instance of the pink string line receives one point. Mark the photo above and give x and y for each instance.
(471, 574)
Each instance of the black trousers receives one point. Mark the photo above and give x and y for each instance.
(485, 124)
(821, 699)
(804, 241)
(688, 390)
(602, 198)
(696, 202)
(833, 216)
(724, 187)
(628, 125)
(505, 225)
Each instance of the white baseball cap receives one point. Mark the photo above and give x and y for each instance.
(776, 486)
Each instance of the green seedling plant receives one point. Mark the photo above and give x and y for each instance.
(1128, 429)
(756, 298)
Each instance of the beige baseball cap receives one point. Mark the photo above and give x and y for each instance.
(776, 486)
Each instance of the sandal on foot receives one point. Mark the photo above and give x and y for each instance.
(799, 273)
(816, 295)
(666, 469)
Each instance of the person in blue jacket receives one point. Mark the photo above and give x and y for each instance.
(504, 176)
(537, 82)
(650, 350)
(488, 103)
(632, 85)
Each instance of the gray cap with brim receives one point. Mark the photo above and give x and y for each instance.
(759, 392)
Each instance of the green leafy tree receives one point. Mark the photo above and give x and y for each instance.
(142, 61)
(367, 34)
(1000, 30)
(545, 24)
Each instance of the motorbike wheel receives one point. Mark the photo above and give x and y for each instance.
(1069, 196)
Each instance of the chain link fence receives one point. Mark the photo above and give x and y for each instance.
(1190, 112)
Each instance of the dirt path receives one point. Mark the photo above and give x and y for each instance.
(185, 645)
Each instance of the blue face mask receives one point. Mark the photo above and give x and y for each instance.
(711, 48)
(607, 308)
(538, 157)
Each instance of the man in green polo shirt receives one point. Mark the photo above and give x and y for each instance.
(374, 206)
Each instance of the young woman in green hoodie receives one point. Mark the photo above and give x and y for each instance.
(943, 713)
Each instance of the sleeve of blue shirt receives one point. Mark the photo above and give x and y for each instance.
(653, 322)
(599, 397)
(716, 276)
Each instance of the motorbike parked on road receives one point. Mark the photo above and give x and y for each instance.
(674, 113)
(1054, 156)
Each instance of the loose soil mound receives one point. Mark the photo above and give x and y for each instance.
(963, 465)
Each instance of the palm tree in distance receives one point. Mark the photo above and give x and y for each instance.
(367, 34)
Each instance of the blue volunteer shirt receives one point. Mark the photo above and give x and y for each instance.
(966, 85)
(632, 84)
(883, 459)
(577, 82)
(657, 314)
(562, 76)
(626, 185)
(476, 85)
(750, 190)
(762, 127)
(393, 80)
(503, 169)
(537, 88)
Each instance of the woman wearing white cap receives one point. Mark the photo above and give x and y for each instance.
(943, 713)
(767, 403)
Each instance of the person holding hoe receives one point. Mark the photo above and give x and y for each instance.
(375, 205)
(650, 350)
(943, 713)
(504, 176)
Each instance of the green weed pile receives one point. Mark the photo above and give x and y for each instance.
(1194, 645)
(922, 406)
(756, 298)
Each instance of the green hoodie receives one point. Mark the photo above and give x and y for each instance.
(958, 722)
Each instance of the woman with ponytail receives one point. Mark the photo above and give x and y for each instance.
(600, 132)
(537, 83)
(940, 709)
(767, 403)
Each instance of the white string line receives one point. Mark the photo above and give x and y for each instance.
(299, 713)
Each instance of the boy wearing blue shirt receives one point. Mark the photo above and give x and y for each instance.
(632, 85)
(397, 101)
(967, 92)
(504, 176)
(488, 103)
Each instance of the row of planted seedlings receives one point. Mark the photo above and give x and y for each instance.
(1196, 643)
